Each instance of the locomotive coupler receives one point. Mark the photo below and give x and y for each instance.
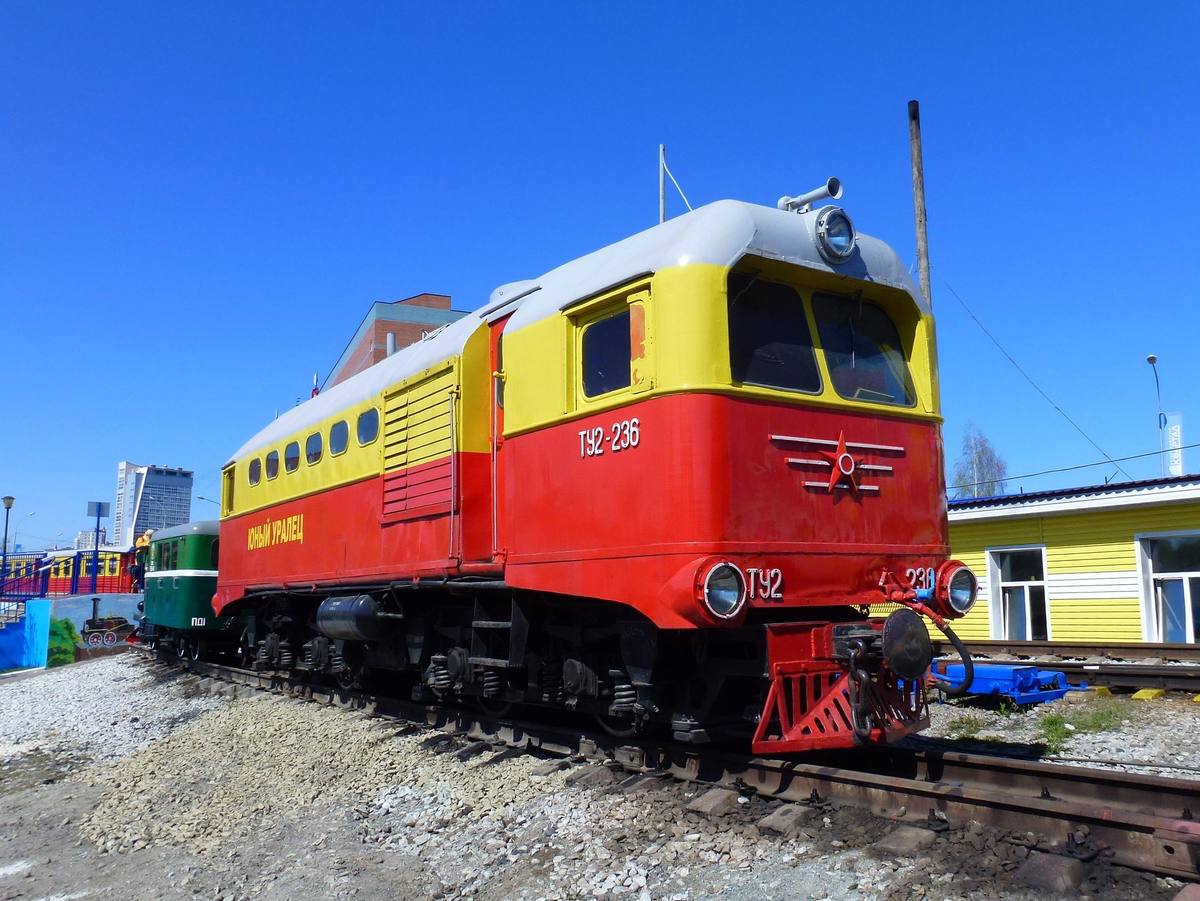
(860, 714)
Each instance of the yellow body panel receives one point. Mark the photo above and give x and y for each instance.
(354, 464)
(687, 346)
(417, 420)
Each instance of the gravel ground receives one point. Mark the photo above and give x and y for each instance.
(169, 793)
(1159, 737)
(99, 710)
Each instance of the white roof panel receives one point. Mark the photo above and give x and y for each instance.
(719, 233)
(408, 361)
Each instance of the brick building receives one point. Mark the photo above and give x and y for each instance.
(408, 320)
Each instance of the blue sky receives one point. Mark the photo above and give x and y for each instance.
(199, 202)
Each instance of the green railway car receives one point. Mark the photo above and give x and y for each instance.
(181, 578)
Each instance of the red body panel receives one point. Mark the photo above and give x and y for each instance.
(704, 481)
(342, 536)
(707, 480)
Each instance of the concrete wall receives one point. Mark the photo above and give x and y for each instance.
(25, 643)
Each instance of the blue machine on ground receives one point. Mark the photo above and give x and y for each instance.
(1022, 683)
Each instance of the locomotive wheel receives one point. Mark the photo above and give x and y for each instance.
(494, 706)
(617, 726)
(347, 678)
(110, 639)
(196, 649)
(94, 640)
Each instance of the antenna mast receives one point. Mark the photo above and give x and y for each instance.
(662, 183)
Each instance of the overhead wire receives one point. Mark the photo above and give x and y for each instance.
(1046, 472)
(1035, 385)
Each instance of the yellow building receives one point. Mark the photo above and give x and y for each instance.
(1116, 563)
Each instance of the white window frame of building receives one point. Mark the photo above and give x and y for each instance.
(997, 614)
(1148, 579)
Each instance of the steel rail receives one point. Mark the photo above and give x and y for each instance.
(1132, 651)
(1142, 822)
(1112, 671)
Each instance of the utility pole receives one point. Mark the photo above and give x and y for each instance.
(918, 177)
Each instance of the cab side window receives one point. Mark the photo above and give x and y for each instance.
(606, 355)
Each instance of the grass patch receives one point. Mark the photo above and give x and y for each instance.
(1102, 715)
(967, 726)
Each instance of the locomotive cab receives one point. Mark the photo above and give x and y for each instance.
(748, 454)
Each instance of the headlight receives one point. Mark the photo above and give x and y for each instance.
(724, 591)
(959, 587)
(835, 234)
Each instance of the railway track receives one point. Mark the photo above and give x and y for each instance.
(1142, 822)
(1114, 665)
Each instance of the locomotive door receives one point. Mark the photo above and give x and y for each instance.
(497, 438)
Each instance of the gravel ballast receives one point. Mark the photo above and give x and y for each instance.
(273, 798)
(1158, 737)
(103, 709)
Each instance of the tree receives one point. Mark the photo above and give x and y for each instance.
(980, 470)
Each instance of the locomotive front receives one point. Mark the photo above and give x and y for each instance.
(764, 483)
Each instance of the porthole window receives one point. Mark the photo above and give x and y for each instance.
(339, 437)
(368, 426)
(312, 448)
(254, 471)
(272, 464)
(606, 354)
(291, 456)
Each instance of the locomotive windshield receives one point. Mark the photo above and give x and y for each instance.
(863, 351)
(770, 344)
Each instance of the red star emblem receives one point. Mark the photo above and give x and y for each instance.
(843, 465)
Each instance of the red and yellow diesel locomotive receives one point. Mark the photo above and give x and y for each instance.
(667, 483)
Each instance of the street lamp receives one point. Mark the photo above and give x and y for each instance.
(8, 502)
(1152, 359)
(201, 497)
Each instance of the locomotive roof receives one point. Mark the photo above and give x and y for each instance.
(719, 233)
(200, 527)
